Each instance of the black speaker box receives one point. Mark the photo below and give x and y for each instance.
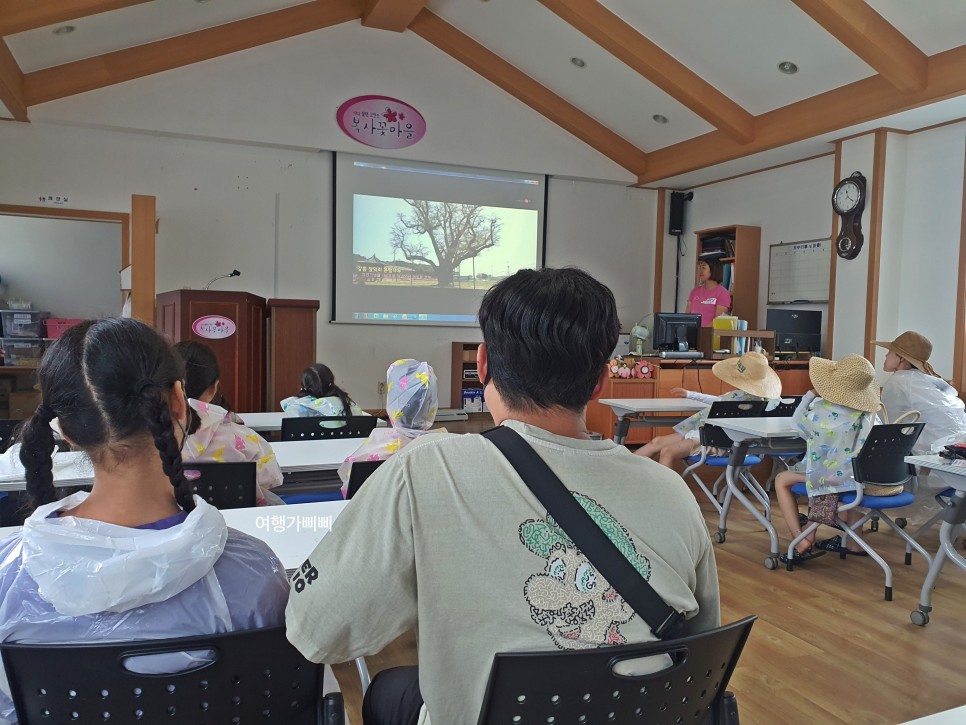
(675, 223)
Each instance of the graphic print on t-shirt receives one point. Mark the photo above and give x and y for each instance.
(575, 603)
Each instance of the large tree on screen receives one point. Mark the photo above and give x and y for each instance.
(456, 232)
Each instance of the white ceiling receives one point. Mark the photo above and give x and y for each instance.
(733, 44)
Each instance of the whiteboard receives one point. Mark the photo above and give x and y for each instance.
(799, 271)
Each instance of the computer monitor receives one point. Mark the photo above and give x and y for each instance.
(796, 330)
(676, 331)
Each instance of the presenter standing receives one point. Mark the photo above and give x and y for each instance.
(709, 298)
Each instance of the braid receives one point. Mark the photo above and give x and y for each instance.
(158, 417)
(36, 454)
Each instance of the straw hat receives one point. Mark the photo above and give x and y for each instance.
(849, 382)
(913, 347)
(750, 373)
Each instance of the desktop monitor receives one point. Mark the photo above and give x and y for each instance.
(796, 330)
(676, 331)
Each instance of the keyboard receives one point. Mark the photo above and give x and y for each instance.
(689, 355)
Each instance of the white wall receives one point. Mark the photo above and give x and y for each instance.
(217, 205)
(68, 268)
(790, 204)
(891, 242)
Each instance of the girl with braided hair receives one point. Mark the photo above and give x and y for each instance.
(319, 396)
(138, 557)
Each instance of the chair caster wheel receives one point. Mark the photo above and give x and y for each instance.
(719, 537)
(901, 523)
(874, 525)
(771, 563)
(919, 618)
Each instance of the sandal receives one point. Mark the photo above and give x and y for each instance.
(802, 521)
(802, 557)
(833, 544)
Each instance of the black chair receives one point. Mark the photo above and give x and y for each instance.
(737, 409)
(308, 429)
(581, 686)
(360, 471)
(8, 430)
(223, 485)
(786, 407)
(252, 676)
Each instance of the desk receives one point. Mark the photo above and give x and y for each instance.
(633, 412)
(954, 516)
(755, 435)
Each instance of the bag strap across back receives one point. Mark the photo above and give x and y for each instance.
(664, 621)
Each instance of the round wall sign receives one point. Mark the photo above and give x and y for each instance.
(381, 122)
(213, 327)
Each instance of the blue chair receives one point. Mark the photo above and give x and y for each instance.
(223, 485)
(881, 462)
(290, 498)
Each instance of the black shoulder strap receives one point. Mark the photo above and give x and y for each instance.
(586, 535)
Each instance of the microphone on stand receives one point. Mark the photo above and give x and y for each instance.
(234, 273)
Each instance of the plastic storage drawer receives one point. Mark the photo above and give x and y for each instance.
(22, 352)
(23, 323)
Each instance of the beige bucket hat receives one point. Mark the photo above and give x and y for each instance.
(849, 382)
(750, 373)
(913, 347)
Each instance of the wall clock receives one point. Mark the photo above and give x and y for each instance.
(848, 201)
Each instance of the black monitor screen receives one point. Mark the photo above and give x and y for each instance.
(796, 330)
(676, 331)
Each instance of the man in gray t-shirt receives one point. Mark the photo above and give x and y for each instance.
(446, 537)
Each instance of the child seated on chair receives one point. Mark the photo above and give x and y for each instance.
(411, 401)
(750, 374)
(319, 396)
(216, 434)
(835, 427)
(138, 557)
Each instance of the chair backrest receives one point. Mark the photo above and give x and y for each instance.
(543, 687)
(241, 677)
(8, 429)
(881, 460)
(360, 471)
(223, 485)
(736, 409)
(784, 409)
(307, 429)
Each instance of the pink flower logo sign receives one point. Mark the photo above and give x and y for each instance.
(381, 122)
(213, 327)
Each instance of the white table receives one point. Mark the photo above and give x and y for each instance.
(272, 422)
(633, 412)
(755, 435)
(954, 516)
(956, 716)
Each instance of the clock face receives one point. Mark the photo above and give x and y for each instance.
(847, 197)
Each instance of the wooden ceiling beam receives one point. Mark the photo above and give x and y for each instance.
(395, 15)
(17, 16)
(80, 76)
(855, 103)
(11, 84)
(657, 66)
(873, 39)
(524, 88)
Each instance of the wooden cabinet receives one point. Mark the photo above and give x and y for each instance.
(18, 398)
(738, 248)
(291, 346)
(464, 373)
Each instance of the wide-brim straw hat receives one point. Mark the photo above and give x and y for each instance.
(850, 382)
(750, 373)
(913, 347)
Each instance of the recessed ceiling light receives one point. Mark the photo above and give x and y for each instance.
(658, 118)
(64, 30)
(579, 62)
(788, 68)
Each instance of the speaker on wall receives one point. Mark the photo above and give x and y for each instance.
(675, 224)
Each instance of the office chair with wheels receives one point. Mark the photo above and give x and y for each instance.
(236, 677)
(589, 685)
(324, 427)
(223, 485)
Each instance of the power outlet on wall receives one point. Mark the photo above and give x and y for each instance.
(381, 387)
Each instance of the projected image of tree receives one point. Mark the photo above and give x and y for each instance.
(424, 243)
(456, 232)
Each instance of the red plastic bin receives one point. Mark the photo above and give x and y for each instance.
(57, 326)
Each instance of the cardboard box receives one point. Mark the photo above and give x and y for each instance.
(473, 400)
(23, 403)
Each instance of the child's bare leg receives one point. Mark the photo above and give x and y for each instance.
(788, 504)
(674, 452)
(656, 445)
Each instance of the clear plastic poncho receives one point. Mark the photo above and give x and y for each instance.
(938, 403)
(67, 579)
(411, 401)
(309, 407)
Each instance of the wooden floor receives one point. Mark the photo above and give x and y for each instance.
(827, 648)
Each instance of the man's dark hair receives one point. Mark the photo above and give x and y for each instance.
(548, 334)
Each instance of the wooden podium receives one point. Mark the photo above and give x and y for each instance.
(233, 325)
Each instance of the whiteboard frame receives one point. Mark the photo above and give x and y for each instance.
(798, 302)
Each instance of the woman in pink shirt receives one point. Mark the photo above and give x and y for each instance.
(709, 298)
